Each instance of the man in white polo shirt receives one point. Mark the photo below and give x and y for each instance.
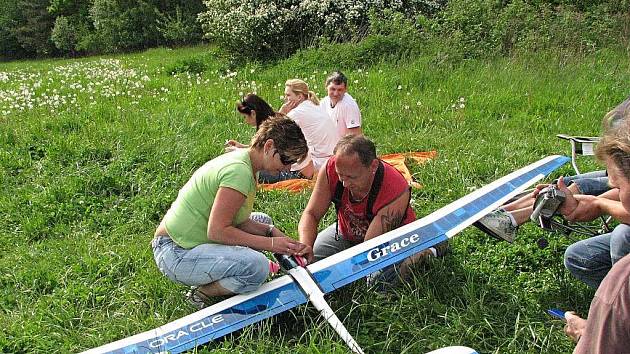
(340, 106)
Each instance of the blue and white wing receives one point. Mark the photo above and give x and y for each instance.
(225, 317)
(454, 350)
(392, 247)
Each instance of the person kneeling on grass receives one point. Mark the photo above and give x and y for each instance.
(209, 238)
(371, 198)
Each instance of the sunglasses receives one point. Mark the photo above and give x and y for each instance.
(284, 159)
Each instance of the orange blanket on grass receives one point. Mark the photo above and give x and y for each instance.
(397, 160)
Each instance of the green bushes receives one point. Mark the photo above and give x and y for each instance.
(459, 29)
(474, 28)
(271, 29)
(276, 28)
(43, 27)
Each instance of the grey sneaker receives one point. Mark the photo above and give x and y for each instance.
(498, 224)
(197, 299)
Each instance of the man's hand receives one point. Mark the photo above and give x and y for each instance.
(537, 190)
(575, 326)
(306, 251)
(570, 203)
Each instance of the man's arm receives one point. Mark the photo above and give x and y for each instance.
(389, 217)
(315, 209)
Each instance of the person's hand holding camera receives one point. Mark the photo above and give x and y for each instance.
(578, 207)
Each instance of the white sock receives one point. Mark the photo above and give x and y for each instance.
(512, 219)
(433, 251)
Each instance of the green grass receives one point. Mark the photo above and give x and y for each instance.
(85, 183)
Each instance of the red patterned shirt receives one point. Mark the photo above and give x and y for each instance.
(352, 217)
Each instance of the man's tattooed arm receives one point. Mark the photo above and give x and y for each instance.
(392, 219)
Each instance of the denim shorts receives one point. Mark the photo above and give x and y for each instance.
(592, 183)
(238, 269)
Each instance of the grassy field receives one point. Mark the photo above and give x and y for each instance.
(94, 150)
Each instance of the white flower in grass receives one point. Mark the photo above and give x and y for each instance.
(399, 87)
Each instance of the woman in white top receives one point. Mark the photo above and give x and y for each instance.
(302, 106)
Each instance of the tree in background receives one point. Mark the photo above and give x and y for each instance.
(52, 27)
(25, 26)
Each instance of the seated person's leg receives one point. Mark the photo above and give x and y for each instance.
(619, 242)
(503, 223)
(326, 244)
(236, 269)
(589, 260)
(305, 170)
(589, 186)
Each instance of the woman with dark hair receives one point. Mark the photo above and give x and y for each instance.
(209, 238)
(256, 111)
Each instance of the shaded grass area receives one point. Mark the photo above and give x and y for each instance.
(84, 185)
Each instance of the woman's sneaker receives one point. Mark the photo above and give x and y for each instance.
(197, 299)
(498, 224)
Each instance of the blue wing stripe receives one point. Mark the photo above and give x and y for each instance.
(421, 234)
(196, 329)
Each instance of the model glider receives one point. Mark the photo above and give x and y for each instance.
(310, 283)
(454, 350)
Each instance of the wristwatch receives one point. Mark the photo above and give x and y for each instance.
(269, 232)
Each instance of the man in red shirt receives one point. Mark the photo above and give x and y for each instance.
(371, 198)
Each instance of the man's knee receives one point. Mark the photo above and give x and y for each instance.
(572, 258)
(619, 242)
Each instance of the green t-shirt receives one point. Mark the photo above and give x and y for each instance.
(187, 219)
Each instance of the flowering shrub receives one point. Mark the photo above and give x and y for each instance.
(270, 28)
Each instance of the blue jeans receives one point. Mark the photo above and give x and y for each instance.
(267, 177)
(590, 260)
(592, 183)
(238, 269)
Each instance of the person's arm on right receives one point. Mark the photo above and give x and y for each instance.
(315, 210)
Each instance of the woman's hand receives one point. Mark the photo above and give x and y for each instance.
(285, 245)
(231, 145)
(288, 106)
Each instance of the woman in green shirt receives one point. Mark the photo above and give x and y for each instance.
(209, 239)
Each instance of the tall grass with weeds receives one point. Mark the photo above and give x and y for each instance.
(93, 151)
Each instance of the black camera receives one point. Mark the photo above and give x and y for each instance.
(546, 206)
